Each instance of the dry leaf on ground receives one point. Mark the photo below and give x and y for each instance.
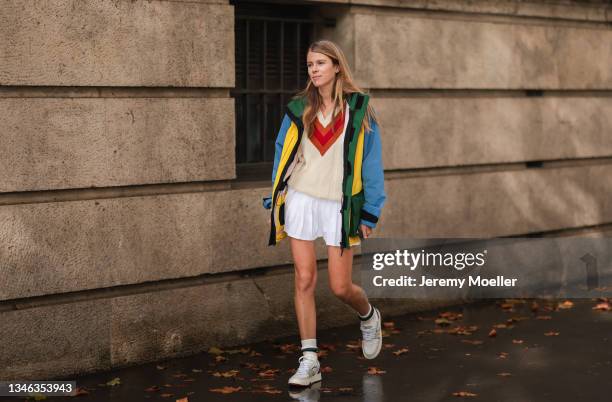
(375, 371)
(226, 374)
(605, 306)
(269, 373)
(226, 390)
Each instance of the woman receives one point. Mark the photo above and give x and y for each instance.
(327, 181)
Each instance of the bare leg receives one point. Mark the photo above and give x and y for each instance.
(340, 269)
(305, 261)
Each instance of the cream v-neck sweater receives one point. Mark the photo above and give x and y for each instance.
(320, 175)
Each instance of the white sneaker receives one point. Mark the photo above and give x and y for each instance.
(371, 336)
(308, 372)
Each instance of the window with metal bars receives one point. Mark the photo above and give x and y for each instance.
(271, 44)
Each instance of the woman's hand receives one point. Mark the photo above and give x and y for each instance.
(365, 230)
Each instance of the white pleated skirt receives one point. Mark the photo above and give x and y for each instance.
(308, 218)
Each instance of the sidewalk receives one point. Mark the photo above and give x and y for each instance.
(517, 350)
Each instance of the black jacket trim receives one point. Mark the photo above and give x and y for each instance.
(368, 216)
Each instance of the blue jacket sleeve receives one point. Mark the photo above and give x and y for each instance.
(372, 175)
(278, 149)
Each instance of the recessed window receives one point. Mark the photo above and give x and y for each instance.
(271, 43)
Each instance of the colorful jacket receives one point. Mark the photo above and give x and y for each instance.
(363, 179)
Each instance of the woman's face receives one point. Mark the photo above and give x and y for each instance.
(321, 69)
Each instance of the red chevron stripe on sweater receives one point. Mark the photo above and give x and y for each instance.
(323, 137)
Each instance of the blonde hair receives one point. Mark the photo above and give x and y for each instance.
(343, 86)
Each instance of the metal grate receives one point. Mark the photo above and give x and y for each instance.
(271, 43)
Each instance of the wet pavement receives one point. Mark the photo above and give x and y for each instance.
(505, 350)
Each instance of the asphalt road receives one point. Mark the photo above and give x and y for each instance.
(547, 351)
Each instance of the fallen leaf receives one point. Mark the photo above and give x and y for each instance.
(551, 333)
(400, 351)
(226, 374)
(517, 341)
(345, 390)
(226, 390)
(266, 389)
(81, 391)
(464, 394)
(166, 395)
(565, 305)
(605, 306)
(502, 355)
(442, 321)
(353, 345)
(460, 330)
(154, 388)
(543, 317)
(269, 373)
(160, 367)
(287, 347)
(220, 359)
(260, 366)
(114, 381)
(182, 400)
(215, 351)
(196, 370)
(375, 370)
(328, 346)
(388, 324)
(493, 333)
(504, 374)
(449, 315)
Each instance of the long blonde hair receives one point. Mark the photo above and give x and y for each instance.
(343, 86)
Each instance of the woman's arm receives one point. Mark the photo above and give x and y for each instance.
(278, 150)
(372, 174)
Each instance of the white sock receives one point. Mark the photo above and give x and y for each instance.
(311, 345)
(372, 317)
(368, 313)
